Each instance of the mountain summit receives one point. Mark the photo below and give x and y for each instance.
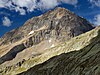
(59, 23)
(37, 36)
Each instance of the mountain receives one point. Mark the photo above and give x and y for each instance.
(42, 38)
(58, 22)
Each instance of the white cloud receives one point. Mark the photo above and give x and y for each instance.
(4, 13)
(20, 10)
(47, 4)
(95, 2)
(97, 19)
(72, 2)
(30, 5)
(5, 3)
(6, 21)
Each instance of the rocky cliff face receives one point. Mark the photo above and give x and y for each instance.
(30, 45)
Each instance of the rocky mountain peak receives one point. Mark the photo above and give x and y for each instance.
(39, 34)
(59, 23)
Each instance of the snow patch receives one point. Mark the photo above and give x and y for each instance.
(70, 17)
(31, 32)
(50, 40)
(52, 45)
(56, 22)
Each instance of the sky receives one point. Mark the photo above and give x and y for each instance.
(14, 13)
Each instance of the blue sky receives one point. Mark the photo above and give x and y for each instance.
(14, 13)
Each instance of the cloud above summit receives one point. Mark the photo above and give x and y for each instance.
(6, 21)
(95, 2)
(97, 20)
(23, 6)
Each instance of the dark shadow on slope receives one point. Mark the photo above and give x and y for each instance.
(12, 53)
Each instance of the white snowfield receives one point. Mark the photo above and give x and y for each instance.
(52, 45)
(31, 32)
(50, 40)
(44, 27)
(56, 22)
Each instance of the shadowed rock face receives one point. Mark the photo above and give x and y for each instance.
(37, 36)
(12, 53)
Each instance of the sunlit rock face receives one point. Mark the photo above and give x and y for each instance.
(38, 35)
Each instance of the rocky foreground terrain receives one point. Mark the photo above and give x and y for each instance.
(56, 43)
